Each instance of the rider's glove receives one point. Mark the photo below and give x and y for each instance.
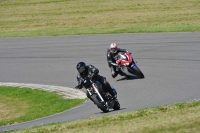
(117, 62)
(78, 87)
(96, 71)
(114, 64)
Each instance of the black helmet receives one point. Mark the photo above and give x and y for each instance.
(80, 67)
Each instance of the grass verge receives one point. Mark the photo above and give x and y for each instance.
(181, 117)
(66, 17)
(23, 104)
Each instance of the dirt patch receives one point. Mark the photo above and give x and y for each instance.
(11, 108)
(4, 111)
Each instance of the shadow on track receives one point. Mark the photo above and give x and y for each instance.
(110, 111)
(128, 78)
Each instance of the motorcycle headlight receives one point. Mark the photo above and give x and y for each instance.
(127, 64)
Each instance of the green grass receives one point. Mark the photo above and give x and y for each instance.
(23, 104)
(179, 118)
(67, 17)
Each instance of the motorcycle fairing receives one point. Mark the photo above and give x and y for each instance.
(124, 59)
(125, 70)
(131, 67)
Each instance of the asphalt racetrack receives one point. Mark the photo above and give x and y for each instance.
(169, 61)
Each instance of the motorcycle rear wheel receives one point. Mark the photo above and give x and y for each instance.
(116, 105)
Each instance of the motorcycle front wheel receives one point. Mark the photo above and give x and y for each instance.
(102, 105)
(138, 72)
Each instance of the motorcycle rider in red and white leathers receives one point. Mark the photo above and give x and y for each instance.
(89, 71)
(112, 52)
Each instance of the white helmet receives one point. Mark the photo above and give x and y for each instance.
(113, 48)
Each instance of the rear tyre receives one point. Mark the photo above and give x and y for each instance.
(116, 105)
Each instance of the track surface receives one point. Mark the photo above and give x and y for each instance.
(169, 61)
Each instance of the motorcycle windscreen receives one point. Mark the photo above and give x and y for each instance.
(122, 57)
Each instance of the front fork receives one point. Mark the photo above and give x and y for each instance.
(97, 91)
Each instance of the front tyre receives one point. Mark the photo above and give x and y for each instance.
(138, 72)
(102, 105)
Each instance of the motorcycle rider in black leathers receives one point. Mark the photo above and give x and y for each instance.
(90, 71)
(112, 52)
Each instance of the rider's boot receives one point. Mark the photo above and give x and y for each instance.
(114, 94)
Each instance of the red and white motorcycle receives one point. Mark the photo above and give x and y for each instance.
(127, 66)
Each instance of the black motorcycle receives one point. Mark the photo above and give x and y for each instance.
(102, 99)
